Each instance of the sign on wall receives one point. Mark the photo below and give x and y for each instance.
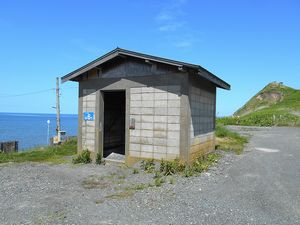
(89, 116)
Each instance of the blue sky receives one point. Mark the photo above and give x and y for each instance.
(246, 43)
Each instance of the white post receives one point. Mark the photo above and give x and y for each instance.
(48, 132)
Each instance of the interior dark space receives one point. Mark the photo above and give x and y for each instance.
(114, 123)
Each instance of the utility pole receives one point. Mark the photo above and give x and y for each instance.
(57, 112)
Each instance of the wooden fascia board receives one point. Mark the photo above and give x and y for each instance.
(214, 79)
(151, 59)
(88, 67)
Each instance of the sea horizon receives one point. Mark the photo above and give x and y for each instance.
(35, 113)
(31, 129)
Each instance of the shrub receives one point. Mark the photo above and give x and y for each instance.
(199, 166)
(135, 171)
(159, 181)
(84, 157)
(99, 159)
(168, 168)
(157, 174)
(203, 163)
(148, 166)
(188, 171)
(162, 165)
(171, 167)
(213, 157)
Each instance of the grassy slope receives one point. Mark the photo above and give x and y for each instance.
(289, 102)
(53, 154)
(268, 113)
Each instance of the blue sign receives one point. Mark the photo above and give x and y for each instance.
(89, 116)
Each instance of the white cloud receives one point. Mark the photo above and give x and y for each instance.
(172, 25)
(164, 16)
(170, 17)
(183, 43)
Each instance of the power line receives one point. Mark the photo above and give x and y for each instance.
(69, 88)
(32, 93)
(28, 93)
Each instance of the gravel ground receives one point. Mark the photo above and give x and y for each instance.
(257, 187)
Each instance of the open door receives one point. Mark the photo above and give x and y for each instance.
(114, 123)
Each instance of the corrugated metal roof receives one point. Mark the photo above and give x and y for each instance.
(119, 51)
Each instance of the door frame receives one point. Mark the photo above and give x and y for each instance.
(100, 113)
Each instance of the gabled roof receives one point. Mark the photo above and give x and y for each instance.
(119, 52)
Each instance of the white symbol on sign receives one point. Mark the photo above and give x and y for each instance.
(89, 116)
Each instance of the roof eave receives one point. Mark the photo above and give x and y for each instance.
(89, 66)
(118, 51)
(213, 78)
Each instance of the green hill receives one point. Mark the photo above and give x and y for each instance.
(275, 104)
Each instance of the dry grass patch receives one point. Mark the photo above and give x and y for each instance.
(227, 140)
(121, 195)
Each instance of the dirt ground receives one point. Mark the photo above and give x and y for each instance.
(258, 187)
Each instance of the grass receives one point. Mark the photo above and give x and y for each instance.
(162, 175)
(102, 182)
(189, 171)
(120, 195)
(229, 141)
(93, 183)
(136, 187)
(139, 187)
(148, 165)
(52, 154)
(290, 99)
(99, 201)
(203, 163)
(135, 171)
(159, 181)
(84, 157)
(171, 180)
(169, 168)
(99, 159)
(266, 117)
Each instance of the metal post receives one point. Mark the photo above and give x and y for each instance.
(57, 111)
(48, 131)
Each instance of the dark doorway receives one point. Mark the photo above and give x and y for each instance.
(114, 122)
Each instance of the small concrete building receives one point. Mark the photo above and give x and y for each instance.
(145, 107)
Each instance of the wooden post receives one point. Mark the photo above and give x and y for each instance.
(57, 111)
(9, 146)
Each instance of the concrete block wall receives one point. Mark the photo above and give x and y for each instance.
(202, 137)
(201, 145)
(156, 111)
(88, 128)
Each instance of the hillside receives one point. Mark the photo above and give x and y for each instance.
(275, 104)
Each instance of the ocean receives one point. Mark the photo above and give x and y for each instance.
(31, 129)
